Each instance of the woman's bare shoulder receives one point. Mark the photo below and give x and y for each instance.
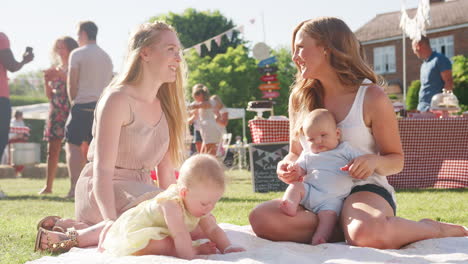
(376, 97)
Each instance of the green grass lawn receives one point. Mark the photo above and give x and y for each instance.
(21, 210)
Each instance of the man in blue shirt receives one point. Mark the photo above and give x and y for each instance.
(436, 73)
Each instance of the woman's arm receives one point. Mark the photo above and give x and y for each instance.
(174, 218)
(166, 174)
(380, 117)
(197, 105)
(295, 150)
(222, 119)
(111, 115)
(47, 79)
(193, 116)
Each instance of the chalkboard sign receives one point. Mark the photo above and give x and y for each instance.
(264, 158)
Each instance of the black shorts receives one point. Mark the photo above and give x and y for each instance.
(80, 123)
(377, 190)
(197, 137)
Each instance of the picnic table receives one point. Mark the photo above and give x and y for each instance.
(436, 150)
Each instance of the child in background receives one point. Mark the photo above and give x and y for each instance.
(324, 185)
(162, 225)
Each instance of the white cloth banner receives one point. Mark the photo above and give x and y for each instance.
(415, 27)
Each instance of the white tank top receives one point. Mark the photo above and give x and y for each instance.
(357, 134)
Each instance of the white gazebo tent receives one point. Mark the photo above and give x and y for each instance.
(237, 113)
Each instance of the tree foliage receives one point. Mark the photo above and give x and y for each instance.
(460, 78)
(29, 84)
(412, 98)
(195, 27)
(233, 76)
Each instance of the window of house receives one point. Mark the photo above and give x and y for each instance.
(384, 59)
(443, 45)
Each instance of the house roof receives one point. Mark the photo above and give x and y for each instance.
(387, 25)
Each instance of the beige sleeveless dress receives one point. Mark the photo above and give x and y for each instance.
(141, 148)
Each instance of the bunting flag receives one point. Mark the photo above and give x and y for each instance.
(218, 40)
(229, 34)
(208, 44)
(252, 21)
(198, 49)
(416, 27)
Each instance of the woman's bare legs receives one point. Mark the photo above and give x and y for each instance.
(53, 154)
(269, 222)
(367, 220)
(86, 237)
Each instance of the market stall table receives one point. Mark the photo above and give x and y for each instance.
(436, 153)
(436, 150)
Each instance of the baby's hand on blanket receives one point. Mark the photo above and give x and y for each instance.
(232, 249)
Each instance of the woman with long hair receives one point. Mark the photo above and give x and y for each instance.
(55, 82)
(139, 125)
(332, 74)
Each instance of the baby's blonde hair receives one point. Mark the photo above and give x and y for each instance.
(315, 116)
(202, 168)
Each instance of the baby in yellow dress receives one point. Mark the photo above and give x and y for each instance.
(162, 225)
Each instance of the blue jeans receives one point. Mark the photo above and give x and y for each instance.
(5, 116)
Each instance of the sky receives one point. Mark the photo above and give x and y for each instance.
(38, 23)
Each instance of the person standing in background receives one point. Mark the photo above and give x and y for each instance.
(89, 72)
(55, 80)
(8, 63)
(435, 73)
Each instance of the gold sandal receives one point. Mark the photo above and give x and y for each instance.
(52, 218)
(58, 247)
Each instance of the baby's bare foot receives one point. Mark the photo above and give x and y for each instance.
(207, 248)
(288, 207)
(446, 229)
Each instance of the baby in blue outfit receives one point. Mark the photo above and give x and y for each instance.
(325, 182)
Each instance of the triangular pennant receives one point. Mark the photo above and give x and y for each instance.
(208, 44)
(218, 40)
(229, 35)
(241, 29)
(198, 49)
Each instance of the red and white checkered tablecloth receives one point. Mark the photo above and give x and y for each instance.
(264, 131)
(20, 130)
(436, 154)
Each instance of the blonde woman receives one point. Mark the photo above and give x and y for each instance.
(55, 80)
(139, 125)
(333, 75)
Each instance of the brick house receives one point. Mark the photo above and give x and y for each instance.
(381, 39)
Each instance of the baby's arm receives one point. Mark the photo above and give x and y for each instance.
(216, 234)
(174, 217)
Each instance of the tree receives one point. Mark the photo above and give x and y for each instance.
(194, 27)
(28, 84)
(233, 76)
(286, 72)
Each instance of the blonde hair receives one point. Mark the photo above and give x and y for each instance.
(171, 95)
(202, 169)
(218, 100)
(200, 89)
(316, 116)
(346, 58)
(69, 43)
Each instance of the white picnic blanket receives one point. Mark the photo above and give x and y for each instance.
(443, 250)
